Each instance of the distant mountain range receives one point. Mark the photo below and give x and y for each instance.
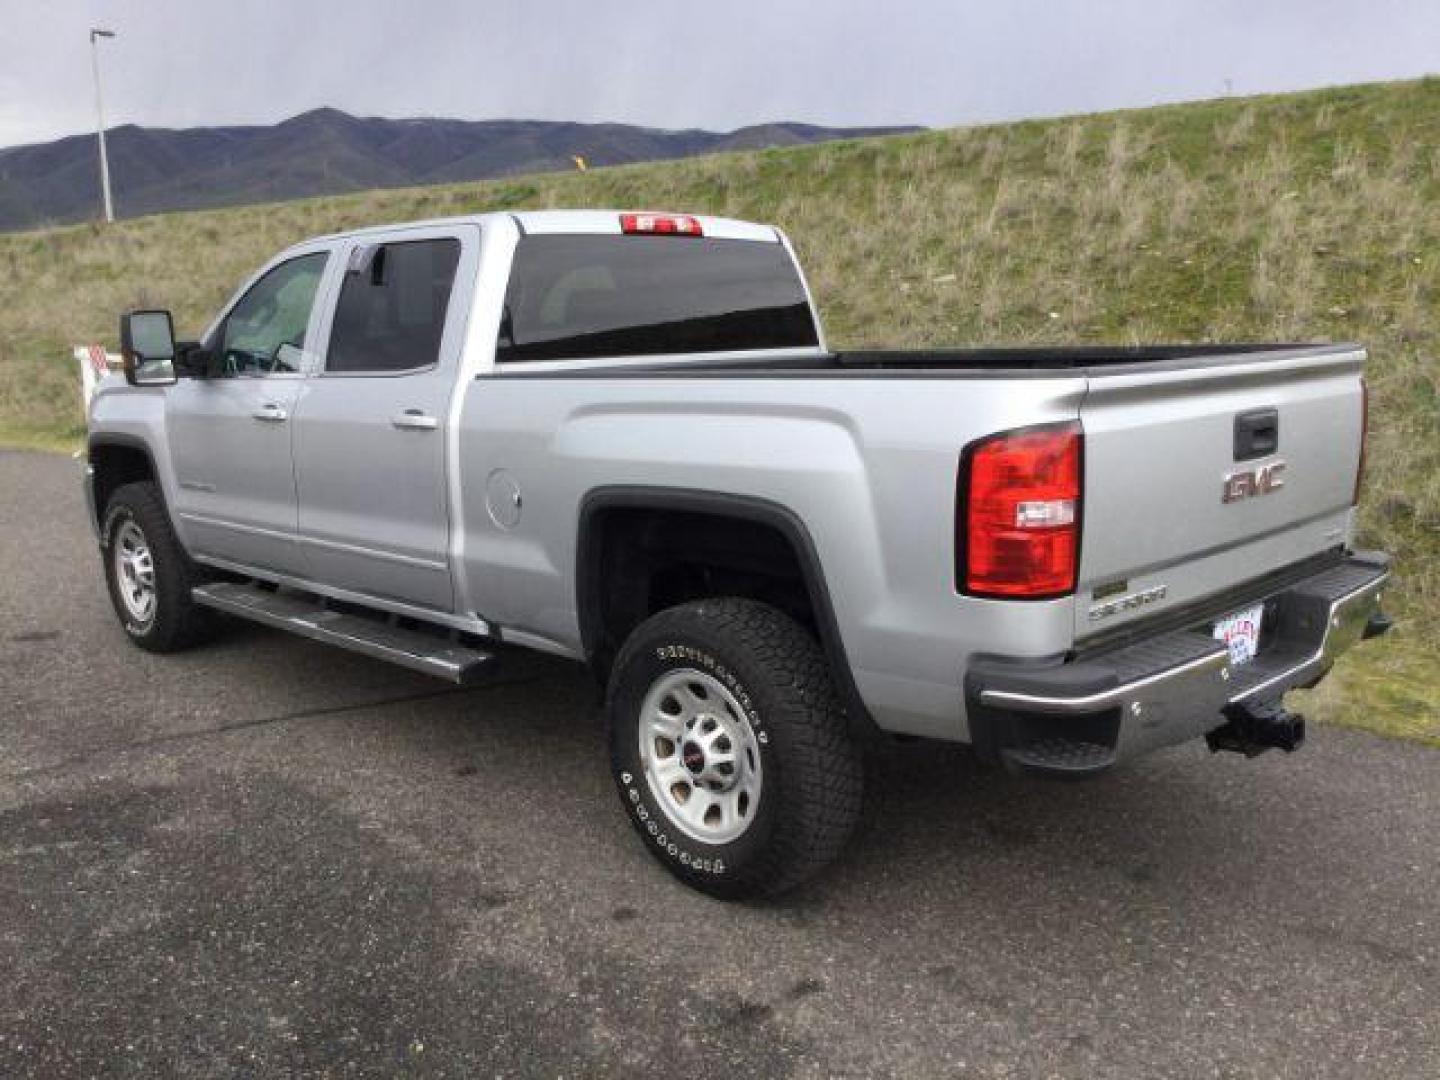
(327, 152)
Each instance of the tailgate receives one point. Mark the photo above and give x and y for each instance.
(1201, 477)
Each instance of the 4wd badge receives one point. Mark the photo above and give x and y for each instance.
(1252, 483)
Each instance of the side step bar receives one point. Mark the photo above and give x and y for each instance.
(309, 617)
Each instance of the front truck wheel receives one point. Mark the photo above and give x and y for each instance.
(730, 748)
(149, 573)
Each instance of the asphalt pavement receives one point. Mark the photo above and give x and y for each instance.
(268, 857)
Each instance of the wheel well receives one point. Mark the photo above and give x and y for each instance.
(645, 549)
(116, 465)
(638, 561)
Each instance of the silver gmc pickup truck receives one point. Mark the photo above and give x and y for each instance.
(621, 438)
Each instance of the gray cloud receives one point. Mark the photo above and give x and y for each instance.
(181, 63)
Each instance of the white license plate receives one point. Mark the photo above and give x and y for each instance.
(1241, 633)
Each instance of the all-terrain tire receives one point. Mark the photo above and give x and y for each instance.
(171, 621)
(774, 675)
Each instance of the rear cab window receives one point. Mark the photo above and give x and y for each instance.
(586, 296)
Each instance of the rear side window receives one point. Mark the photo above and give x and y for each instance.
(577, 297)
(391, 311)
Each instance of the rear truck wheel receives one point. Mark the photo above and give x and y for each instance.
(148, 572)
(730, 748)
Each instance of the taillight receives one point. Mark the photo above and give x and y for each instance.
(665, 224)
(1020, 513)
(1364, 438)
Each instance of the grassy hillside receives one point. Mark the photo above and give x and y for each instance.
(1310, 216)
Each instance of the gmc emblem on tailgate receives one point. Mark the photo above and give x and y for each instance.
(1252, 483)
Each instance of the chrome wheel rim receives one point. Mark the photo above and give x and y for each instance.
(134, 572)
(700, 756)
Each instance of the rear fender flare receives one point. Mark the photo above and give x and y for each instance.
(589, 582)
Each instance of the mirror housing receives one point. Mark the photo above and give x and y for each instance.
(147, 348)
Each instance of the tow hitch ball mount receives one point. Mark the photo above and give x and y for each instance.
(1255, 727)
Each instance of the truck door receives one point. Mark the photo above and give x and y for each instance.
(370, 433)
(230, 434)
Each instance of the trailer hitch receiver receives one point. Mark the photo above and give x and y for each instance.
(1253, 727)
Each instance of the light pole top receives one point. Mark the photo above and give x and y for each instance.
(98, 33)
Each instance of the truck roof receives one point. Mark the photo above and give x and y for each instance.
(539, 222)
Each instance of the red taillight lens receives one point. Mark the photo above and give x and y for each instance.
(663, 224)
(1364, 438)
(1020, 523)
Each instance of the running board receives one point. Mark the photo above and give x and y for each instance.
(309, 617)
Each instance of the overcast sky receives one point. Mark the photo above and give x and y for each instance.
(719, 64)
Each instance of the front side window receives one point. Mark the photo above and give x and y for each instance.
(391, 313)
(264, 334)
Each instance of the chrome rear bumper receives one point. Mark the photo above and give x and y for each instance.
(1081, 717)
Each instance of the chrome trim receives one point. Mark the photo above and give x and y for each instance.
(1114, 696)
(471, 624)
(1344, 628)
(1243, 484)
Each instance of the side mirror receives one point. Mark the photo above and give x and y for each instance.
(147, 347)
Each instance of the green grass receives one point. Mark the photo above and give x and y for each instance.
(1307, 216)
(1388, 687)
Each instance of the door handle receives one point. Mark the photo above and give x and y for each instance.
(414, 420)
(271, 413)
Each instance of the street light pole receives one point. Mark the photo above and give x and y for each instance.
(100, 120)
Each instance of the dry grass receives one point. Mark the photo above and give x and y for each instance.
(1311, 216)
